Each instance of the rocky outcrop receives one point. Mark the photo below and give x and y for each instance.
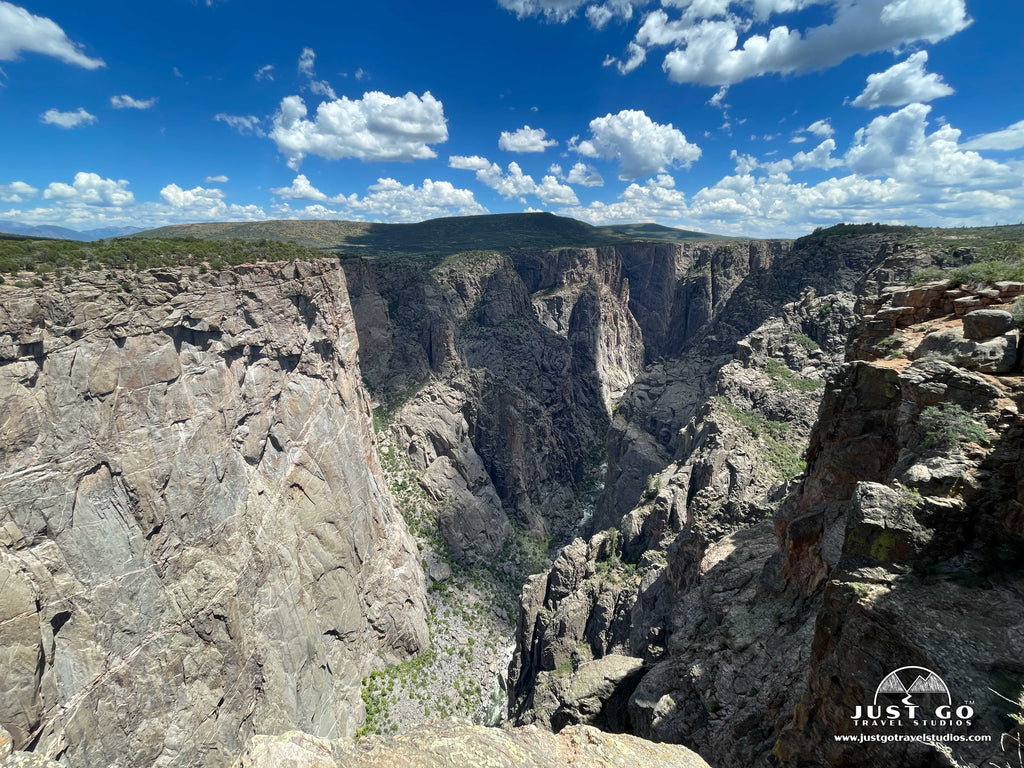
(682, 566)
(918, 555)
(450, 743)
(194, 541)
(764, 611)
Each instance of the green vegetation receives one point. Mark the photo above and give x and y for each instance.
(1017, 310)
(946, 425)
(804, 341)
(856, 230)
(785, 380)
(972, 256)
(436, 236)
(780, 451)
(46, 257)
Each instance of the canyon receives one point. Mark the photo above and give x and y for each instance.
(707, 494)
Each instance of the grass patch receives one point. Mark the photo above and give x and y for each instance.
(780, 452)
(785, 380)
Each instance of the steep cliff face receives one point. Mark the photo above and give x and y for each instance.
(505, 368)
(194, 541)
(747, 616)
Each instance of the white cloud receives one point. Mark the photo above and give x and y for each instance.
(244, 124)
(902, 84)
(125, 101)
(264, 73)
(525, 139)
(552, 10)
(375, 127)
(514, 183)
(392, 201)
(307, 60)
(1006, 139)
(899, 146)
(637, 56)
(17, 192)
(201, 204)
(300, 189)
(67, 119)
(600, 15)
(21, 31)
(819, 157)
(641, 145)
(584, 175)
(899, 170)
(708, 49)
(821, 128)
(222, 179)
(91, 189)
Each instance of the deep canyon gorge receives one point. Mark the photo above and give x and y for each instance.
(651, 496)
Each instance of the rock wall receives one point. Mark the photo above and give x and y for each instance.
(503, 369)
(194, 541)
(761, 612)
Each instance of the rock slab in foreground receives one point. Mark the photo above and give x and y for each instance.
(451, 743)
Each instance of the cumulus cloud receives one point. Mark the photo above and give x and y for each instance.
(125, 101)
(819, 157)
(525, 139)
(902, 84)
(584, 175)
(515, 183)
(21, 31)
(899, 146)
(899, 168)
(640, 145)
(91, 189)
(17, 192)
(1006, 139)
(391, 200)
(244, 124)
(707, 48)
(300, 189)
(222, 179)
(375, 127)
(67, 119)
(202, 204)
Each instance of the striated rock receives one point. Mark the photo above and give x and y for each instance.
(194, 541)
(451, 743)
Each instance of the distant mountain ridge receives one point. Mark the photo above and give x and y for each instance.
(452, 234)
(64, 233)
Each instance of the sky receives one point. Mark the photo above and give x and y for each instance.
(763, 118)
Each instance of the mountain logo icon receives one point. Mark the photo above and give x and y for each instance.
(908, 682)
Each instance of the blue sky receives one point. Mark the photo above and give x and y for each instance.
(747, 117)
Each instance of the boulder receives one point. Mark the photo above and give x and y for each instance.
(987, 323)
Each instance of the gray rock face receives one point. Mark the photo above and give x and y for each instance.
(450, 743)
(982, 353)
(194, 541)
(987, 323)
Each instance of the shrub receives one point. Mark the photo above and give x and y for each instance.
(946, 425)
